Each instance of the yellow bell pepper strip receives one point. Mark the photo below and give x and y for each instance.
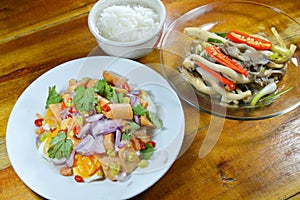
(221, 78)
(218, 56)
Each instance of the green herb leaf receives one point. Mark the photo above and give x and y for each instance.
(147, 152)
(53, 96)
(84, 99)
(60, 146)
(128, 128)
(114, 97)
(156, 121)
(126, 136)
(139, 110)
(105, 90)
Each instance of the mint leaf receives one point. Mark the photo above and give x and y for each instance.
(60, 146)
(84, 99)
(139, 110)
(53, 96)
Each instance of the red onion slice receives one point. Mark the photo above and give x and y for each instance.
(70, 160)
(94, 118)
(84, 130)
(106, 126)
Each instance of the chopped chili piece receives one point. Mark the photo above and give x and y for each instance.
(217, 55)
(254, 42)
(78, 179)
(38, 122)
(105, 108)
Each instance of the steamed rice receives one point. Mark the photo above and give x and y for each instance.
(127, 23)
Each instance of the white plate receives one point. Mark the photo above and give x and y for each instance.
(44, 179)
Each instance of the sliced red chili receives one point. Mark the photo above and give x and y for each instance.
(218, 56)
(38, 122)
(76, 129)
(152, 143)
(142, 145)
(78, 179)
(221, 78)
(252, 41)
(69, 116)
(52, 129)
(63, 106)
(105, 108)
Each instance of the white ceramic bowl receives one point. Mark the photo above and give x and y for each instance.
(133, 49)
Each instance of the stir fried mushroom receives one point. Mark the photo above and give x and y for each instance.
(234, 67)
(245, 53)
(197, 82)
(202, 34)
(227, 96)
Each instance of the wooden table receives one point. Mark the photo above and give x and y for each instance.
(251, 160)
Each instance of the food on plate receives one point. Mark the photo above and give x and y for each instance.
(237, 68)
(97, 128)
(127, 23)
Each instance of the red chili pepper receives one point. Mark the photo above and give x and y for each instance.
(217, 55)
(105, 108)
(142, 146)
(63, 106)
(70, 99)
(78, 179)
(254, 42)
(38, 122)
(152, 143)
(52, 129)
(76, 129)
(71, 110)
(69, 116)
(221, 78)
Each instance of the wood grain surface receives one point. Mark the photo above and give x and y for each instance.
(251, 160)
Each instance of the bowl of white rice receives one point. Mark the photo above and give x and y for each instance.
(127, 28)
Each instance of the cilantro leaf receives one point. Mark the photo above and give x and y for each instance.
(84, 99)
(147, 152)
(114, 97)
(104, 89)
(60, 146)
(53, 96)
(126, 136)
(100, 86)
(139, 110)
(128, 129)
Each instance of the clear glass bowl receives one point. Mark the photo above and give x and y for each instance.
(222, 17)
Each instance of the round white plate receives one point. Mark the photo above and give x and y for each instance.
(43, 178)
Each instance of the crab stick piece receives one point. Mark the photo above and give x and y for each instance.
(114, 78)
(118, 111)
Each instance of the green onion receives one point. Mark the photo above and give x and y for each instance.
(221, 34)
(214, 40)
(268, 89)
